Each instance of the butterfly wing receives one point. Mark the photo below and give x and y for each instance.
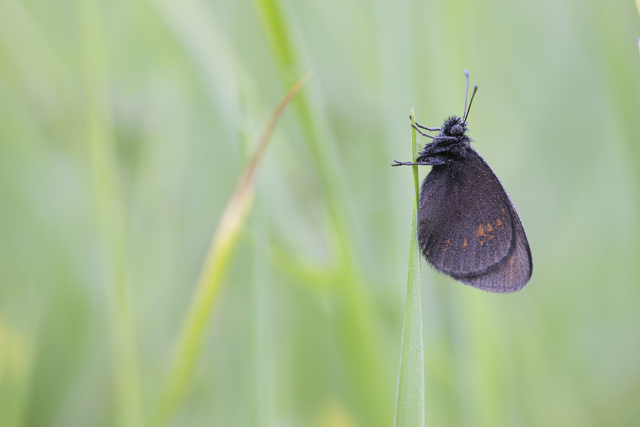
(469, 229)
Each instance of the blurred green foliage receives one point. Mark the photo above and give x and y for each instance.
(124, 126)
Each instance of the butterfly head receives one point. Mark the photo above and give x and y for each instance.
(454, 126)
(453, 130)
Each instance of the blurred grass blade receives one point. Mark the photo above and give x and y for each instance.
(110, 214)
(16, 369)
(263, 338)
(357, 336)
(410, 397)
(215, 264)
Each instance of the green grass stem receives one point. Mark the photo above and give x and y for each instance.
(110, 216)
(410, 403)
(359, 346)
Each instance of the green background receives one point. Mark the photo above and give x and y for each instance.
(124, 126)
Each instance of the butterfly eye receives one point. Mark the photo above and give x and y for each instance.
(457, 130)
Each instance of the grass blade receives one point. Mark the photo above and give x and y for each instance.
(216, 262)
(357, 337)
(410, 395)
(110, 216)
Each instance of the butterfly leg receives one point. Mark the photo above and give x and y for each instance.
(431, 162)
(422, 133)
(424, 127)
(429, 129)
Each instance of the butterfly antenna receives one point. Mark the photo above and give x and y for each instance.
(475, 89)
(466, 91)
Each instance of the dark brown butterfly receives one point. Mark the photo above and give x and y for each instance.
(468, 227)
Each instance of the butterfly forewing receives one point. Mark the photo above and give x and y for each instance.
(469, 229)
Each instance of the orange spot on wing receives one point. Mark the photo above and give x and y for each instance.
(490, 232)
(465, 245)
(480, 234)
(499, 224)
(447, 244)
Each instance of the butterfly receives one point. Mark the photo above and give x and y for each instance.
(468, 227)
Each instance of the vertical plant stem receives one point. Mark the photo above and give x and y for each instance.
(411, 388)
(414, 168)
(110, 216)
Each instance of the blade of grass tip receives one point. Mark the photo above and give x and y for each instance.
(110, 220)
(414, 156)
(217, 260)
(411, 388)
